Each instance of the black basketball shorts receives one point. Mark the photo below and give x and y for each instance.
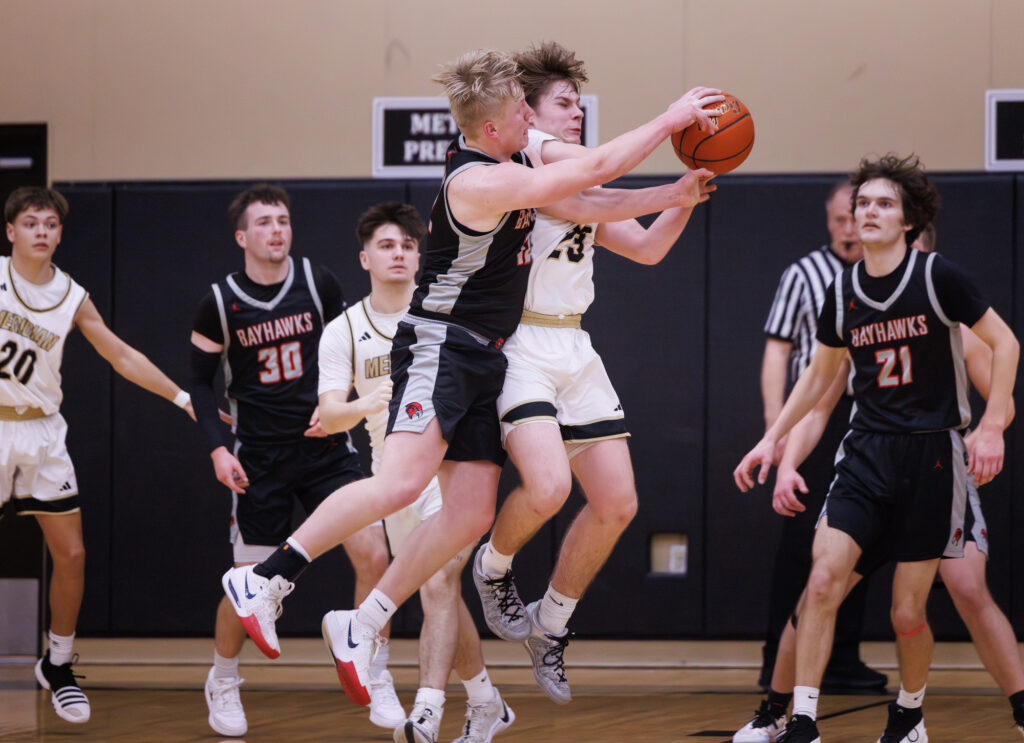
(306, 471)
(901, 497)
(445, 372)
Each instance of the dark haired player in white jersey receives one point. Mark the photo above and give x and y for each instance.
(39, 307)
(901, 479)
(355, 352)
(560, 414)
(789, 343)
(262, 326)
(964, 578)
(446, 362)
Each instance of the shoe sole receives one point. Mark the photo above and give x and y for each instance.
(53, 700)
(347, 675)
(252, 627)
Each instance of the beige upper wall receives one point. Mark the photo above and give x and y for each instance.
(187, 89)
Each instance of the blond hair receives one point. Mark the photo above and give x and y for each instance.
(477, 84)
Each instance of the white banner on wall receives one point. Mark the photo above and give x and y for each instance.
(1004, 130)
(410, 135)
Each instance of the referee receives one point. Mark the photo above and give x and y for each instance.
(789, 343)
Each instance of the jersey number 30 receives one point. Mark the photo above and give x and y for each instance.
(281, 362)
(887, 375)
(23, 367)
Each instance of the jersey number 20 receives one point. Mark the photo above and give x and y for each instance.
(22, 368)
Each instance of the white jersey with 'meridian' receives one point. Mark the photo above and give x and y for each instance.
(562, 272)
(35, 321)
(355, 350)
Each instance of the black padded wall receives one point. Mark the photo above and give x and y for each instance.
(682, 342)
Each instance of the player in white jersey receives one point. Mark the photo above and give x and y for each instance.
(39, 307)
(355, 351)
(556, 390)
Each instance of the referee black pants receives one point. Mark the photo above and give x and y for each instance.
(793, 557)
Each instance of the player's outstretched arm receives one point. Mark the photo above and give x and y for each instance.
(800, 442)
(619, 204)
(481, 194)
(985, 446)
(338, 413)
(648, 245)
(127, 361)
(809, 389)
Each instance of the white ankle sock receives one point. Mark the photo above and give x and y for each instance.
(380, 660)
(910, 700)
(479, 689)
(432, 697)
(376, 610)
(61, 648)
(805, 701)
(224, 668)
(554, 611)
(493, 563)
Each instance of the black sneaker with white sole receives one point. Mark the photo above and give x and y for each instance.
(800, 729)
(905, 726)
(68, 700)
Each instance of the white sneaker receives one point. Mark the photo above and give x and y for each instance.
(484, 721)
(352, 650)
(423, 725)
(765, 727)
(547, 653)
(226, 714)
(385, 709)
(69, 702)
(257, 601)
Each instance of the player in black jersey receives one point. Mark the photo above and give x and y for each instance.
(263, 326)
(901, 472)
(446, 361)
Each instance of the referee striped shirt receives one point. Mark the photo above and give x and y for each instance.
(798, 300)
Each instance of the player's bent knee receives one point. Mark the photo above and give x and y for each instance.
(69, 558)
(908, 620)
(824, 587)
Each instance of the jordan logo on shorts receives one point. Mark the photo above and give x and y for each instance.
(938, 464)
(414, 410)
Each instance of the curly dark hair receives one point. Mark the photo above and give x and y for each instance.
(539, 66)
(921, 200)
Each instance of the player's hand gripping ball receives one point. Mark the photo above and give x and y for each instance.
(723, 150)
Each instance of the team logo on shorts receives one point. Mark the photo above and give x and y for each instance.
(499, 343)
(984, 535)
(956, 536)
(414, 410)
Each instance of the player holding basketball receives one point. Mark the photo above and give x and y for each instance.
(262, 326)
(446, 361)
(964, 578)
(39, 307)
(355, 351)
(559, 414)
(901, 481)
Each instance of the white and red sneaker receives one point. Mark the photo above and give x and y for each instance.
(352, 649)
(257, 601)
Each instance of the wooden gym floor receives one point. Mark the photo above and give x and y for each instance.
(635, 692)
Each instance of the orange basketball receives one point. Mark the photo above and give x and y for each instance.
(724, 150)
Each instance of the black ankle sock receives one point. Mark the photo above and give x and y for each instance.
(775, 699)
(285, 561)
(1017, 703)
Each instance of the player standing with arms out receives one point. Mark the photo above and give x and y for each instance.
(355, 351)
(446, 360)
(560, 415)
(39, 307)
(262, 326)
(901, 479)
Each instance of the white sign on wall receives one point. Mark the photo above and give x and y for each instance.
(411, 135)
(1004, 130)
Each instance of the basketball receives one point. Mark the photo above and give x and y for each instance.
(724, 150)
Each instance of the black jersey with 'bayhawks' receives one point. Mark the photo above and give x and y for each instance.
(270, 356)
(905, 342)
(474, 279)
